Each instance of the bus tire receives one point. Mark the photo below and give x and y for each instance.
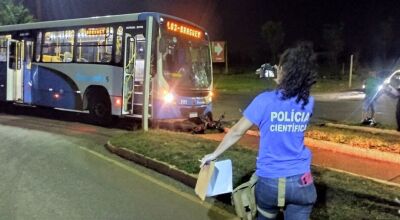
(100, 110)
(9, 108)
(3, 107)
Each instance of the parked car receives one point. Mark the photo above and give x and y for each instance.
(394, 79)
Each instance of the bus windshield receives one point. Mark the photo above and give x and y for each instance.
(186, 63)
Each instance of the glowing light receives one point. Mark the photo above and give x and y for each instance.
(211, 94)
(118, 102)
(96, 31)
(56, 95)
(183, 29)
(169, 97)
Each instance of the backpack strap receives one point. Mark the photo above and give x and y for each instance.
(253, 179)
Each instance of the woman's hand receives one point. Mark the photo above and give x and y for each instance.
(207, 158)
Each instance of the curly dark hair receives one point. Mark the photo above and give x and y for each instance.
(299, 72)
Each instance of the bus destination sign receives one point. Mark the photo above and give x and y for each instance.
(183, 29)
(96, 31)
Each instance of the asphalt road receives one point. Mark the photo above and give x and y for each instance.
(59, 169)
(332, 107)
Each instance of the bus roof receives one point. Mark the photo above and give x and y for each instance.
(90, 21)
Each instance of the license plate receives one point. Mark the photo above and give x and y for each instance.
(193, 115)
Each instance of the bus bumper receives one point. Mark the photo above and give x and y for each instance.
(163, 111)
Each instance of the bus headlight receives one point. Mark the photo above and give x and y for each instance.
(168, 97)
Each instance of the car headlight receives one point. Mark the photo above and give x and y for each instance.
(387, 81)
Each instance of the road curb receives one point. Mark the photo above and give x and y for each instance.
(159, 166)
(344, 148)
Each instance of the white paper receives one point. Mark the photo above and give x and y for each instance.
(221, 180)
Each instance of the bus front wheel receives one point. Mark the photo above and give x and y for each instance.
(100, 110)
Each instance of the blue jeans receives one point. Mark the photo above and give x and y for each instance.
(299, 198)
(369, 105)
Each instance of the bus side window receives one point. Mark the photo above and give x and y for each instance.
(58, 46)
(140, 55)
(13, 55)
(3, 49)
(28, 53)
(94, 45)
(118, 44)
(38, 50)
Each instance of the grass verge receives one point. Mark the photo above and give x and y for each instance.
(184, 150)
(340, 196)
(241, 83)
(361, 139)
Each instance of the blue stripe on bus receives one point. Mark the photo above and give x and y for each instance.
(52, 88)
(27, 84)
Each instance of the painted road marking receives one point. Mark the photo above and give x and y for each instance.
(161, 184)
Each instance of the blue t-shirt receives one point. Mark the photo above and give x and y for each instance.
(282, 123)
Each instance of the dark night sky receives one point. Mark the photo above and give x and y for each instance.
(239, 21)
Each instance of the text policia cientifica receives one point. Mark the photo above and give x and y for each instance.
(293, 121)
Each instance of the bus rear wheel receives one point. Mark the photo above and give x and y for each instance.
(100, 110)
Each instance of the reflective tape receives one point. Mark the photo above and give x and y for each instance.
(266, 214)
(281, 192)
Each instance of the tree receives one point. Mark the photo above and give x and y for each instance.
(273, 35)
(334, 43)
(14, 13)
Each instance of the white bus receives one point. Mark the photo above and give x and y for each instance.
(147, 65)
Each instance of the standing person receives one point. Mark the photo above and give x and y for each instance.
(372, 93)
(283, 162)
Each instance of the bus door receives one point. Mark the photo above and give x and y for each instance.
(3, 68)
(27, 74)
(14, 70)
(133, 74)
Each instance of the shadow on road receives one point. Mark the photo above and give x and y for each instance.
(67, 116)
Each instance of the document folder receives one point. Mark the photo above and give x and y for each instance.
(214, 179)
